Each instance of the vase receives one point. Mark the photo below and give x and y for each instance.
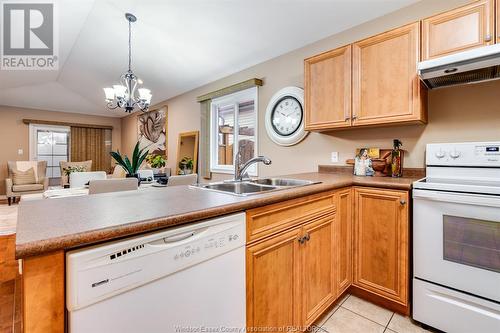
(136, 175)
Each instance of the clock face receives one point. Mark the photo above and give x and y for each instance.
(286, 117)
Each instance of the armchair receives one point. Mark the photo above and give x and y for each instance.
(41, 181)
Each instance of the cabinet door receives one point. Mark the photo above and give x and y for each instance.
(318, 267)
(381, 243)
(386, 88)
(273, 280)
(343, 227)
(457, 30)
(328, 89)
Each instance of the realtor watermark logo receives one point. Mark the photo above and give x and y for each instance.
(29, 39)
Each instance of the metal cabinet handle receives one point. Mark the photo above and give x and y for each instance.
(347, 118)
(402, 202)
(304, 238)
(487, 38)
(354, 117)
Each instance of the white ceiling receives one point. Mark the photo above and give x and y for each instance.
(177, 45)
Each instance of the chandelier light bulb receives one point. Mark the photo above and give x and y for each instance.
(109, 93)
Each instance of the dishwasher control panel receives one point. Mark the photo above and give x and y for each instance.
(98, 272)
(218, 242)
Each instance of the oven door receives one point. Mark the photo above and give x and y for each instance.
(456, 241)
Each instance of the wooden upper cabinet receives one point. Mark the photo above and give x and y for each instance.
(457, 30)
(381, 243)
(343, 227)
(273, 281)
(385, 85)
(328, 89)
(318, 268)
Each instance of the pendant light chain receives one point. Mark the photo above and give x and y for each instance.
(129, 46)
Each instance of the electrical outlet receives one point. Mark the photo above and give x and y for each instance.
(335, 157)
(20, 152)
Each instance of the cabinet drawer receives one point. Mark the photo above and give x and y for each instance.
(267, 220)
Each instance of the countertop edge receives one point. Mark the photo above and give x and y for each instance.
(79, 240)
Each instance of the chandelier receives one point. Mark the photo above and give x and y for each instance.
(124, 95)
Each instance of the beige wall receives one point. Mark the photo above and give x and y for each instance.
(455, 114)
(14, 134)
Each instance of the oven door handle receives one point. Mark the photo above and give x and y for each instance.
(460, 198)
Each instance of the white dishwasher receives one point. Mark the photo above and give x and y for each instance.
(185, 279)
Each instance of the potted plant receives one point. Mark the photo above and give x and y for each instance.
(76, 168)
(131, 167)
(186, 166)
(156, 162)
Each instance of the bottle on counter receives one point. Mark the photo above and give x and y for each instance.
(397, 168)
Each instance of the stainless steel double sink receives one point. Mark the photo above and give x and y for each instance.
(256, 186)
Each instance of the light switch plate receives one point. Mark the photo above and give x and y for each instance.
(335, 157)
(20, 152)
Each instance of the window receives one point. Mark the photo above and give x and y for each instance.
(51, 144)
(234, 124)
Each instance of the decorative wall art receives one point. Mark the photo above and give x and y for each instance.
(152, 131)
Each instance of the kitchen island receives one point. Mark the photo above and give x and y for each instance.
(47, 229)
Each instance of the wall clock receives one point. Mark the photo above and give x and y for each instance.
(285, 117)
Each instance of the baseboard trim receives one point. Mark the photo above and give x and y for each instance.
(379, 300)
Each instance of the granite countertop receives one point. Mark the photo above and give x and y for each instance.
(61, 224)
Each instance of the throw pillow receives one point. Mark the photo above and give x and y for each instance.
(23, 177)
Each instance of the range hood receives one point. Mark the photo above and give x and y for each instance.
(476, 65)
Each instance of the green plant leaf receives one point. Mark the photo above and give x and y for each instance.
(128, 166)
(118, 158)
(135, 157)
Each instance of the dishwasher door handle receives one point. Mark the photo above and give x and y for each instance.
(178, 238)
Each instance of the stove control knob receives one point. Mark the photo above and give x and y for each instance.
(455, 154)
(440, 154)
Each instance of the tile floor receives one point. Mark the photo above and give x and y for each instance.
(354, 315)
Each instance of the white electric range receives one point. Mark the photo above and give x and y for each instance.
(456, 238)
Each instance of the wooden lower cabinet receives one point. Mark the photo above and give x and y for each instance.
(273, 282)
(43, 293)
(381, 232)
(359, 242)
(318, 268)
(290, 277)
(343, 234)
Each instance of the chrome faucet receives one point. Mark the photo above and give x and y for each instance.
(240, 168)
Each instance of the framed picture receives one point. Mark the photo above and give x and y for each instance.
(152, 131)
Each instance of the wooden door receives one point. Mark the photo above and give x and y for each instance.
(381, 243)
(343, 227)
(318, 267)
(458, 30)
(386, 88)
(328, 89)
(273, 281)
